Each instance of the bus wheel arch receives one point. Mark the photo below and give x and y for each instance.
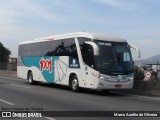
(30, 77)
(73, 82)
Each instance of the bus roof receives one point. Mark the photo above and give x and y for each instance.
(93, 36)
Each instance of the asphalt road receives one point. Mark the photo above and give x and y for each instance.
(17, 94)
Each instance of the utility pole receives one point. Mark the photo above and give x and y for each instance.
(157, 71)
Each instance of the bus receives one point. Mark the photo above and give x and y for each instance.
(78, 60)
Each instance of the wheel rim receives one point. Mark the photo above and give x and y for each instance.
(74, 84)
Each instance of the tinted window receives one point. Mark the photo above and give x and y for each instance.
(114, 58)
(26, 50)
(38, 49)
(87, 57)
(66, 47)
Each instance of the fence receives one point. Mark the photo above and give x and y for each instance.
(8, 66)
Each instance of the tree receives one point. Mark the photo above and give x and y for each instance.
(138, 73)
(4, 53)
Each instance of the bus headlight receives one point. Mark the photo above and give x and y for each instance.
(131, 78)
(101, 77)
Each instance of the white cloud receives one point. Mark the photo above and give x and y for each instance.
(19, 20)
(122, 4)
(30, 7)
(7, 16)
(114, 3)
(5, 12)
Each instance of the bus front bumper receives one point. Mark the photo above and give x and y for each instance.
(102, 84)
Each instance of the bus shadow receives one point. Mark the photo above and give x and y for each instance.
(111, 93)
(52, 86)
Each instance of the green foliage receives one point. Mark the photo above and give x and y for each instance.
(4, 53)
(138, 73)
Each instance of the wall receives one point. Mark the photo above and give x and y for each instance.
(8, 73)
(151, 87)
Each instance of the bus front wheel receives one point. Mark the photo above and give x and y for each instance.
(75, 84)
(30, 78)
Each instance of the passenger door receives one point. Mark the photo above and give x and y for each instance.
(89, 66)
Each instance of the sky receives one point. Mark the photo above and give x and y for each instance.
(138, 21)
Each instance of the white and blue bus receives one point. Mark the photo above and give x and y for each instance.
(78, 60)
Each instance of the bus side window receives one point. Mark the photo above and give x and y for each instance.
(73, 51)
(60, 50)
(55, 48)
(65, 47)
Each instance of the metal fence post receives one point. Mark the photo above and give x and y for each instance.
(157, 71)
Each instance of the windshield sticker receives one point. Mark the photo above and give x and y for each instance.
(73, 63)
(104, 43)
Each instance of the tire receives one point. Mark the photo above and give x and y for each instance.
(74, 84)
(30, 78)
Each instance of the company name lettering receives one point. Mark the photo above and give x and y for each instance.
(46, 64)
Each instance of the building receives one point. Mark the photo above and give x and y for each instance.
(12, 60)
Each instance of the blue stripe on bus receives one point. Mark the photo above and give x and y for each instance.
(41, 63)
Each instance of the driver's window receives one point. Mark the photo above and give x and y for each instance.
(88, 55)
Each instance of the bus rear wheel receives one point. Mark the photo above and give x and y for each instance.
(30, 78)
(75, 84)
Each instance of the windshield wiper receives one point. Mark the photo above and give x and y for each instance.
(104, 70)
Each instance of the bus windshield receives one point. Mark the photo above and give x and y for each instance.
(114, 58)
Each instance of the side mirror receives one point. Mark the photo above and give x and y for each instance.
(95, 47)
(137, 49)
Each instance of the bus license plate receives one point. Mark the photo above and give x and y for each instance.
(118, 86)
